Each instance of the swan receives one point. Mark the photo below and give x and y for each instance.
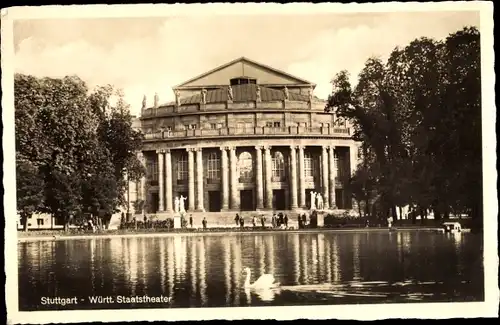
(266, 281)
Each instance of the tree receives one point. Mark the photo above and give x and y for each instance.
(419, 114)
(72, 148)
(30, 190)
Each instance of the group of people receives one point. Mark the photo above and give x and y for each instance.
(277, 221)
(191, 221)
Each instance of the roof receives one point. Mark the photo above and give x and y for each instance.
(243, 93)
(242, 61)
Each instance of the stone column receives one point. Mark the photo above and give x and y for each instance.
(293, 177)
(302, 181)
(142, 184)
(234, 179)
(199, 179)
(191, 197)
(331, 158)
(168, 181)
(161, 178)
(324, 169)
(269, 189)
(259, 184)
(224, 180)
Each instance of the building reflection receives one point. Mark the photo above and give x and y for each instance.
(236, 258)
(202, 270)
(296, 258)
(163, 272)
(269, 250)
(192, 268)
(226, 256)
(356, 256)
(335, 261)
(133, 264)
(321, 255)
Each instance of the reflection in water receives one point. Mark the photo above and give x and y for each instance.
(335, 261)
(356, 259)
(202, 270)
(227, 269)
(163, 270)
(207, 270)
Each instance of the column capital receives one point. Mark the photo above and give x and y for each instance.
(167, 150)
(331, 147)
(199, 149)
(325, 148)
(140, 155)
(301, 147)
(293, 147)
(267, 147)
(259, 147)
(190, 149)
(160, 151)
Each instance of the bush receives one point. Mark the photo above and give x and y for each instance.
(335, 220)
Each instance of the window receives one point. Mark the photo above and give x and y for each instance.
(192, 126)
(245, 163)
(240, 125)
(152, 168)
(182, 167)
(213, 168)
(248, 125)
(278, 165)
(308, 165)
(213, 126)
(276, 124)
(39, 222)
(269, 124)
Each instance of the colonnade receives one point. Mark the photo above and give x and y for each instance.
(230, 178)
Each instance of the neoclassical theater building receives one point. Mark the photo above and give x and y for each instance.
(244, 137)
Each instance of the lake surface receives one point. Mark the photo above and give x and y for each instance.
(206, 271)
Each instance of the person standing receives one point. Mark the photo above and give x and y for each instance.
(191, 220)
(204, 223)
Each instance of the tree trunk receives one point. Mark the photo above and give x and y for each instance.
(24, 221)
(394, 212)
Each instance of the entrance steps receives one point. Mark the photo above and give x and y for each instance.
(227, 218)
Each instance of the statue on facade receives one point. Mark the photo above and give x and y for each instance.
(176, 204)
(144, 102)
(156, 100)
(285, 92)
(230, 93)
(203, 96)
(259, 99)
(182, 208)
(319, 199)
(313, 200)
(311, 96)
(177, 97)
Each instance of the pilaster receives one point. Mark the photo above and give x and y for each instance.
(191, 197)
(269, 189)
(331, 158)
(325, 179)
(161, 178)
(293, 177)
(259, 184)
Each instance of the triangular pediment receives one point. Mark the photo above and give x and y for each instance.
(265, 75)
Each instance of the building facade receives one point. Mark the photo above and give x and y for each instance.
(244, 137)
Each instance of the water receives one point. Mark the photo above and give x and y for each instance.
(206, 271)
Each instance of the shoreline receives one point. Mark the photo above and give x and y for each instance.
(201, 232)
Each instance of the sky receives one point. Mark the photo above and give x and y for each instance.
(148, 55)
